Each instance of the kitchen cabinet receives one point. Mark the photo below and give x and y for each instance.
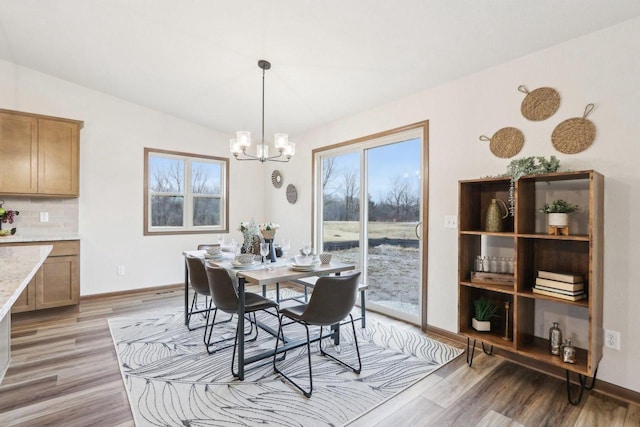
(57, 282)
(524, 317)
(39, 155)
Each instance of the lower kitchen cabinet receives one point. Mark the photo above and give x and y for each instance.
(57, 282)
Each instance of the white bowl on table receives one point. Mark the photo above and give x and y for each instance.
(303, 260)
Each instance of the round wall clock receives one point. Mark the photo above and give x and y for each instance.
(276, 179)
(292, 193)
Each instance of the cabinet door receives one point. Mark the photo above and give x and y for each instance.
(27, 299)
(60, 282)
(18, 154)
(58, 147)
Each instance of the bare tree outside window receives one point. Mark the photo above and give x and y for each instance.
(185, 192)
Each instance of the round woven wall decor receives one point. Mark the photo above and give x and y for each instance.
(540, 104)
(505, 143)
(574, 135)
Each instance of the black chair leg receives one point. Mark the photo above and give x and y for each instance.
(355, 337)
(276, 370)
(207, 340)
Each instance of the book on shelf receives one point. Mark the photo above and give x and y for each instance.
(561, 277)
(559, 291)
(559, 285)
(536, 290)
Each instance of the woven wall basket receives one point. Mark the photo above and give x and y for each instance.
(574, 135)
(540, 104)
(505, 143)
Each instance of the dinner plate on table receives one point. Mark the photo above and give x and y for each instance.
(307, 267)
(239, 266)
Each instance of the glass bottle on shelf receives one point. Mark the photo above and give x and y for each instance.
(503, 265)
(510, 266)
(568, 352)
(494, 265)
(485, 264)
(555, 339)
(479, 263)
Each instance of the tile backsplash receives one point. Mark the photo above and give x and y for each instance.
(63, 216)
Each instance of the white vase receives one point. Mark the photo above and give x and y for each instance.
(481, 325)
(558, 219)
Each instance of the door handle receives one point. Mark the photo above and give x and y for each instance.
(418, 225)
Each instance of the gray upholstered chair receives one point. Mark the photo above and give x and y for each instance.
(194, 309)
(225, 298)
(331, 302)
(200, 284)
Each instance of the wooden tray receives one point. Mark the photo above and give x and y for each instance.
(495, 278)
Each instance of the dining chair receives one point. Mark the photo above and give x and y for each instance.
(225, 297)
(331, 302)
(194, 302)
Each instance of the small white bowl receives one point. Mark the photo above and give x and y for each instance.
(303, 260)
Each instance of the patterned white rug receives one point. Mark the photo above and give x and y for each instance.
(172, 381)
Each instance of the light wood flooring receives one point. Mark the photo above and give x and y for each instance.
(64, 372)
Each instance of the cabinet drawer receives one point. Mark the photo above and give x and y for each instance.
(65, 247)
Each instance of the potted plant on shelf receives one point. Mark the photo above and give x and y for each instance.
(485, 310)
(558, 212)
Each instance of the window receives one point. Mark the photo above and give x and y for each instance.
(185, 193)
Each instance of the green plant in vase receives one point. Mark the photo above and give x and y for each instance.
(484, 311)
(558, 212)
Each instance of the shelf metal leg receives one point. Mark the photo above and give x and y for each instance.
(488, 353)
(470, 353)
(583, 386)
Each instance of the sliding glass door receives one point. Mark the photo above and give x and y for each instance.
(369, 210)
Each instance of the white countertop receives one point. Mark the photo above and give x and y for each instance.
(18, 265)
(51, 238)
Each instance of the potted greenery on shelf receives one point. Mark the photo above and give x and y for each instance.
(558, 212)
(485, 310)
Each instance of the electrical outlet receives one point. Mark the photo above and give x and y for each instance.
(44, 216)
(121, 270)
(450, 221)
(612, 339)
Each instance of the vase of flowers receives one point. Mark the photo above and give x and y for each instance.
(250, 236)
(268, 231)
(7, 217)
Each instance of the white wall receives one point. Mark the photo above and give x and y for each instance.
(111, 178)
(601, 68)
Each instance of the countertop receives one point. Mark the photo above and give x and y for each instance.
(18, 264)
(26, 239)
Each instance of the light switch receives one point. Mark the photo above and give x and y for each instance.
(44, 216)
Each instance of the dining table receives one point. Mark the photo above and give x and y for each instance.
(263, 275)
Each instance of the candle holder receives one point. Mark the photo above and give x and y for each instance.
(507, 327)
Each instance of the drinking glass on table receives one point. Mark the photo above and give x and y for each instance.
(286, 245)
(264, 251)
(306, 248)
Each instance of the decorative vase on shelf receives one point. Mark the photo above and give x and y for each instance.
(495, 218)
(558, 219)
(555, 339)
(481, 325)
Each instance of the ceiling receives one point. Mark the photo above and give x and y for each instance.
(197, 59)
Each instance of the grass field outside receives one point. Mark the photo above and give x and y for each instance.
(394, 270)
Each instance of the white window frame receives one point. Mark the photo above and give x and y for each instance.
(188, 196)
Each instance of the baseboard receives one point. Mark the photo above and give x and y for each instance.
(154, 289)
(601, 386)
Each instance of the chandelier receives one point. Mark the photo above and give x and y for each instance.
(242, 142)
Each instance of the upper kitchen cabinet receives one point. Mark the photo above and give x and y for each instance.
(39, 155)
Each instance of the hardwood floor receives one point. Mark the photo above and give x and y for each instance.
(64, 372)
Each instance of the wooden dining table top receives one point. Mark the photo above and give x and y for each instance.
(282, 271)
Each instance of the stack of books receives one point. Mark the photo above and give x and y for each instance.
(560, 285)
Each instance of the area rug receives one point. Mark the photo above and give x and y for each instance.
(172, 381)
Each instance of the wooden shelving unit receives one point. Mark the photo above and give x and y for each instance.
(525, 239)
